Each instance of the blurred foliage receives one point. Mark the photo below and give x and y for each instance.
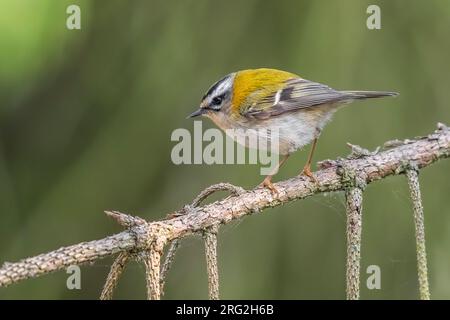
(86, 117)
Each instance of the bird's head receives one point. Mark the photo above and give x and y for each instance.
(217, 99)
(229, 98)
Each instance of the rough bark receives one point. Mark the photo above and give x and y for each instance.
(334, 175)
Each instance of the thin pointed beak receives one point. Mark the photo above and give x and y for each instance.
(197, 113)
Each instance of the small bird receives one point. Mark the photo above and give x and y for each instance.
(280, 101)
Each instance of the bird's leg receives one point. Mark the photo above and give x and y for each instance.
(267, 182)
(307, 168)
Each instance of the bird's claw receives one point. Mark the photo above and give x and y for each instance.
(308, 173)
(269, 185)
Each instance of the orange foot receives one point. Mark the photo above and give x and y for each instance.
(307, 172)
(267, 183)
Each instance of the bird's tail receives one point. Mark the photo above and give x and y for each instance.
(370, 94)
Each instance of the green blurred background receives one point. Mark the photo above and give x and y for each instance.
(86, 117)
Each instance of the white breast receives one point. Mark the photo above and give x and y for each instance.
(290, 131)
(293, 130)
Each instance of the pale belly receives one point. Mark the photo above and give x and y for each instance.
(283, 134)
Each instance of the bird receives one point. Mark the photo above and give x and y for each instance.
(269, 99)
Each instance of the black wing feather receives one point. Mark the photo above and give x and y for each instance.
(298, 94)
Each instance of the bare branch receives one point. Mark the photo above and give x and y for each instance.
(168, 263)
(210, 236)
(81, 253)
(212, 267)
(152, 261)
(422, 269)
(142, 236)
(234, 190)
(354, 228)
(114, 274)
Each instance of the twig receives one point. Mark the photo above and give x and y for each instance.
(234, 190)
(152, 260)
(85, 252)
(168, 261)
(210, 236)
(422, 270)
(354, 228)
(114, 274)
(212, 267)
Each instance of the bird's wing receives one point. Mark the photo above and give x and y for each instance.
(296, 94)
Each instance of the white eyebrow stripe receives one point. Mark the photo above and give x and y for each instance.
(224, 86)
(277, 97)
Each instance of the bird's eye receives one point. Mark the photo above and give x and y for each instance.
(216, 101)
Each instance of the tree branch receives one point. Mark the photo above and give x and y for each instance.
(141, 236)
(354, 228)
(114, 274)
(422, 269)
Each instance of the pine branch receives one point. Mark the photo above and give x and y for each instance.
(422, 269)
(148, 239)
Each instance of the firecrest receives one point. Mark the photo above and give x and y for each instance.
(295, 108)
